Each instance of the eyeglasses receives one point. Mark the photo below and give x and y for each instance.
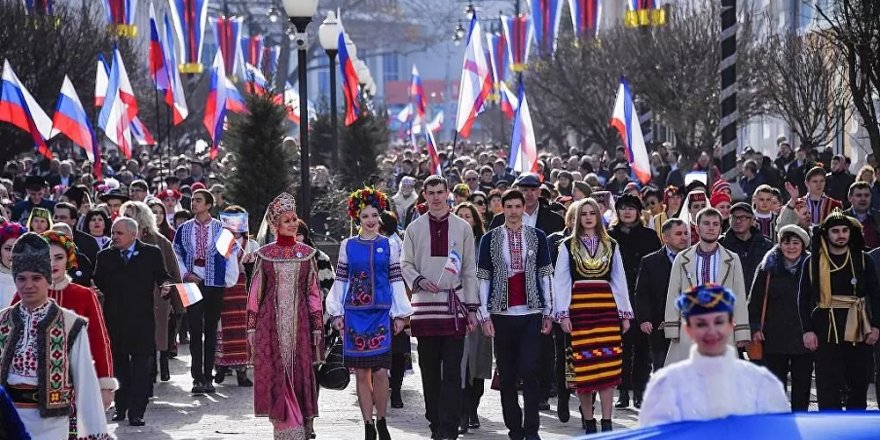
(741, 218)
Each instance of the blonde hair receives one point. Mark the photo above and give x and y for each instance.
(577, 228)
(141, 213)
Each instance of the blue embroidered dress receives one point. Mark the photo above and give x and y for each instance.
(368, 292)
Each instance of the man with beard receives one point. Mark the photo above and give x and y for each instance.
(634, 241)
(651, 287)
(745, 240)
(705, 262)
(840, 313)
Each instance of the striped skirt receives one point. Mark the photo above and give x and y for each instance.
(232, 334)
(595, 359)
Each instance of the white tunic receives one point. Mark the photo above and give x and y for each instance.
(705, 388)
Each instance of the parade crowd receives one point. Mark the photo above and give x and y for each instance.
(688, 297)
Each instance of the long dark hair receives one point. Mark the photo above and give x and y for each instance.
(99, 213)
(477, 227)
(162, 222)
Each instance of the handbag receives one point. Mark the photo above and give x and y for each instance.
(332, 374)
(755, 349)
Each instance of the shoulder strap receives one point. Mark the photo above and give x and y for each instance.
(766, 295)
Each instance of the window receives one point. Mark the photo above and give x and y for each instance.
(391, 66)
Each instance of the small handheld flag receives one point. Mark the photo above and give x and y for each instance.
(452, 265)
(626, 120)
(189, 293)
(225, 243)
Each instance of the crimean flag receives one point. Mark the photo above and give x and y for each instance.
(405, 114)
(496, 45)
(509, 102)
(227, 33)
(158, 68)
(625, 119)
(585, 17)
(519, 34)
(546, 15)
(225, 243)
(189, 293)
(121, 17)
(174, 95)
(349, 83)
(120, 107)
(476, 81)
(102, 80)
(19, 108)
(215, 108)
(140, 133)
(190, 18)
(523, 147)
(252, 50)
(70, 119)
(431, 145)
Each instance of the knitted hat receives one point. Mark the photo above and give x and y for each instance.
(719, 197)
(705, 299)
(721, 185)
(31, 254)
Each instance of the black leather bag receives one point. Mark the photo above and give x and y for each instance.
(332, 374)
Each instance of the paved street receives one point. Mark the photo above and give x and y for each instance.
(175, 414)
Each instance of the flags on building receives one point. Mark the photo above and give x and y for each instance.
(190, 18)
(252, 50)
(349, 83)
(19, 108)
(509, 102)
(523, 147)
(70, 119)
(519, 34)
(120, 107)
(227, 34)
(476, 82)
(121, 17)
(215, 108)
(101, 81)
(158, 68)
(546, 15)
(625, 119)
(585, 17)
(174, 95)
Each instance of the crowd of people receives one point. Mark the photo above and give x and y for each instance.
(573, 279)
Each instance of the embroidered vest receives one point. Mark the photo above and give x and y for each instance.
(586, 267)
(55, 337)
(368, 274)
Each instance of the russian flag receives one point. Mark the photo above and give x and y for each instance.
(20, 109)
(215, 107)
(417, 95)
(234, 101)
(269, 62)
(625, 120)
(523, 147)
(227, 33)
(174, 95)
(252, 49)
(256, 83)
(102, 81)
(432, 152)
(158, 68)
(476, 82)
(70, 119)
(349, 83)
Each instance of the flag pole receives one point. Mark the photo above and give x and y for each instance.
(158, 124)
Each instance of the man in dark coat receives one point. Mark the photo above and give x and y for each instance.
(634, 241)
(85, 243)
(860, 209)
(127, 274)
(652, 284)
(745, 239)
(36, 188)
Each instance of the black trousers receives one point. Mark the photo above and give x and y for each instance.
(840, 366)
(800, 366)
(398, 369)
(440, 363)
(133, 373)
(518, 346)
(561, 341)
(547, 364)
(877, 370)
(636, 360)
(470, 397)
(659, 347)
(203, 318)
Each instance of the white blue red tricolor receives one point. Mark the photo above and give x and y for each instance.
(190, 18)
(625, 119)
(585, 17)
(19, 108)
(546, 15)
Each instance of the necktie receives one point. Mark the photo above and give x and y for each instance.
(126, 255)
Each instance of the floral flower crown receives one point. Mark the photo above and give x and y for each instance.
(364, 197)
(11, 230)
(66, 243)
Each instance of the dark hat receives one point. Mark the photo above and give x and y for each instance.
(628, 200)
(601, 197)
(742, 206)
(113, 194)
(565, 174)
(621, 167)
(76, 194)
(31, 254)
(527, 180)
(35, 182)
(502, 184)
(704, 299)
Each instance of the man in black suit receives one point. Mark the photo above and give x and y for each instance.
(542, 217)
(126, 274)
(651, 285)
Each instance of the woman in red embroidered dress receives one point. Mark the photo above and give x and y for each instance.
(285, 326)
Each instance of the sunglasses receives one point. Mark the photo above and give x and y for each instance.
(479, 202)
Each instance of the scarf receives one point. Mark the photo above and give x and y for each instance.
(825, 270)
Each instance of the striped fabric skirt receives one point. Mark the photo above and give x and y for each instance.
(232, 334)
(595, 359)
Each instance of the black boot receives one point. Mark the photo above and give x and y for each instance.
(242, 377)
(463, 424)
(589, 426)
(221, 374)
(562, 410)
(606, 425)
(622, 400)
(164, 372)
(369, 431)
(382, 429)
(396, 398)
(637, 399)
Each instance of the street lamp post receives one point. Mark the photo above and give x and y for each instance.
(300, 13)
(328, 34)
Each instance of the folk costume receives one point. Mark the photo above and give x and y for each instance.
(840, 303)
(656, 221)
(45, 359)
(710, 387)
(695, 196)
(819, 210)
(590, 288)
(515, 274)
(285, 312)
